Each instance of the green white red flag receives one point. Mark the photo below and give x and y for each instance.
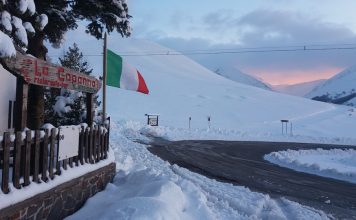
(121, 75)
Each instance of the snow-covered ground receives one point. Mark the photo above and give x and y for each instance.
(181, 88)
(336, 163)
(146, 187)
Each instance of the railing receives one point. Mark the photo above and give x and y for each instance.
(34, 154)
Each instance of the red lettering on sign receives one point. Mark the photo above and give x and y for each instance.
(67, 77)
(74, 78)
(60, 72)
(37, 72)
(45, 70)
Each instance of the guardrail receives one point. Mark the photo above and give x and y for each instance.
(35, 154)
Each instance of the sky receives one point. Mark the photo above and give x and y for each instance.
(234, 25)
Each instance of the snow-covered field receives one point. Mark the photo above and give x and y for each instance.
(146, 187)
(181, 88)
(336, 163)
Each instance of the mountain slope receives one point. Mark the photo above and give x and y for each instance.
(340, 89)
(300, 89)
(180, 88)
(236, 75)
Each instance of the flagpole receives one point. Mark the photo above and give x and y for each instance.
(104, 78)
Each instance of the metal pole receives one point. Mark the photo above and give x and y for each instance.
(291, 129)
(104, 77)
(282, 128)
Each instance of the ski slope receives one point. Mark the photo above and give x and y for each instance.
(180, 88)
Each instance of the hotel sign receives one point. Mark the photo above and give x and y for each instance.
(40, 72)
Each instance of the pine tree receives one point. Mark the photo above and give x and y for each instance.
(24, 22)
(71, 109)
(74, 60)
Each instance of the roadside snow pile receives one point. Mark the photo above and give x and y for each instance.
(146, 187)
(139, 130)
(336, 163)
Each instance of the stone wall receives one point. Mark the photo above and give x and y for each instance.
(62, 200)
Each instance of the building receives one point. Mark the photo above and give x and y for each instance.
(7, 99)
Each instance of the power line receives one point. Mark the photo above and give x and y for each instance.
(235, 51)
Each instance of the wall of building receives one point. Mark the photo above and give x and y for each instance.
(63, 200)
(7, 93)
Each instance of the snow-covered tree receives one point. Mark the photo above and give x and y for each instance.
(68, 107)
(23, 24)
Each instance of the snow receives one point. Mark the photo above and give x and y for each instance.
(235, 74)
(42, 21)
(180, 88)
(146, 187)
(7, 49)
(26, 5)
(300, 89)
(340, 85)
(335, 163)
(6, 21)
(20, 30)
(29, 28)
(63, 101)
(17, 195)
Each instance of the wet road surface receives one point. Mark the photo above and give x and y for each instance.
(242, 163)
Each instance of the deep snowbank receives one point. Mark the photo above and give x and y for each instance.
(336, 163)
(146, 187)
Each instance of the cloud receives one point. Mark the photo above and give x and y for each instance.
(271, 28)
(219, 20)
(285, 27)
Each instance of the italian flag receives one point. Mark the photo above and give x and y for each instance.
(121, 75)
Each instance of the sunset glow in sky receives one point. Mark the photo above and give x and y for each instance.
(229, 24)
(210, 25)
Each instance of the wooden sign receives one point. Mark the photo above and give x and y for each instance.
(39, 72)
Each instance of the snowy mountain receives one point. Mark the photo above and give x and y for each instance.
(300, 89)
(236, 75)
(340, 89)
(180, 88)
(148, 187)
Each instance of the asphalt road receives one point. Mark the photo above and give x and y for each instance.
(242, 163)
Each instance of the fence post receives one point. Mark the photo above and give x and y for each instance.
(91, 144)
(36, 159)
(81, 146)
(27, 153)
(102, 145)
(97, 144)
(51, 152)
(86, 145)
(58, 163)
(17, 161)
(44, 149)
(6, 163)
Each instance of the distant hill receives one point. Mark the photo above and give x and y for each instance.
(236, 75)
(340, 89)
(299, 89)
